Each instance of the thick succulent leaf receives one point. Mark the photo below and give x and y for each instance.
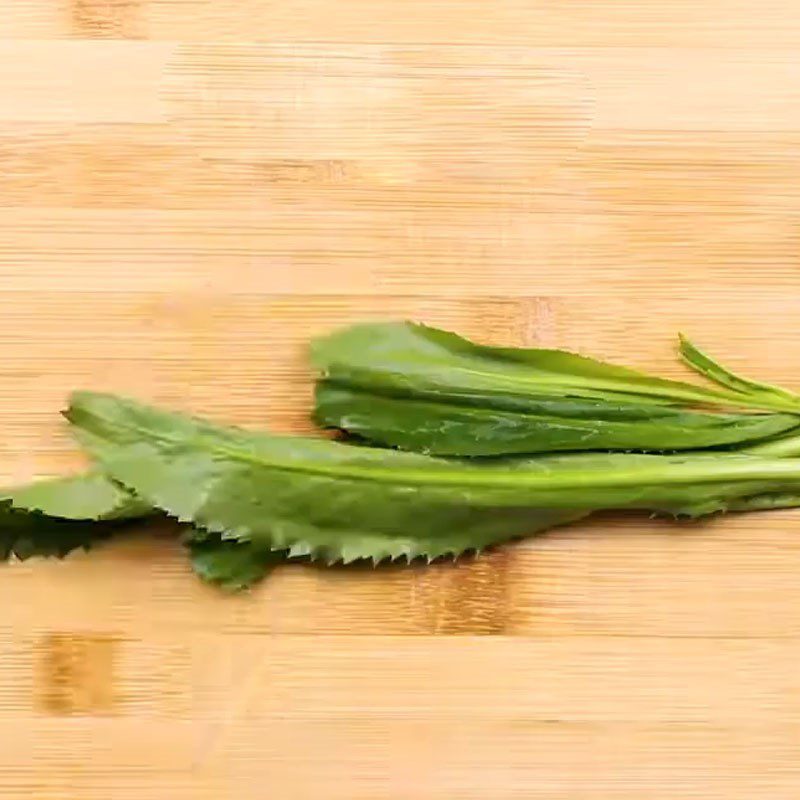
(232, 565)
(753, 393)
(328, 500)
(54, 517)
(443, 427)
(413, 359)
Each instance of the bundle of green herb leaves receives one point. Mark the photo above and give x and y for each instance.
(247, 500)
(427, 390)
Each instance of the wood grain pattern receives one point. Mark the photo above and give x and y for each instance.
(190, 189)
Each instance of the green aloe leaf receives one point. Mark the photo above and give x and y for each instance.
(334, 502)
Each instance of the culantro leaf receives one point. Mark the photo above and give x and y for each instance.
(232, 565)
(751, 393)
(54, 517)
(334, 502)
(448, 426)
(428, 390)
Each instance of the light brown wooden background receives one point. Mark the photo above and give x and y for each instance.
(189, 189)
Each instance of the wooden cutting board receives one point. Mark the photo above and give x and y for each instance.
(190, 189)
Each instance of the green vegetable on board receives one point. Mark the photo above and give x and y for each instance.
(54, 517)
(553, 428)
(338, 503)
(427, 390)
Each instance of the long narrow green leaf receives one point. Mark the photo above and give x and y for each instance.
(752, 393)
(340, 503)
(406, 357)
(427, 390)
(442, 426)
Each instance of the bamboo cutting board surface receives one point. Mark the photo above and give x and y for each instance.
(190, 189)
